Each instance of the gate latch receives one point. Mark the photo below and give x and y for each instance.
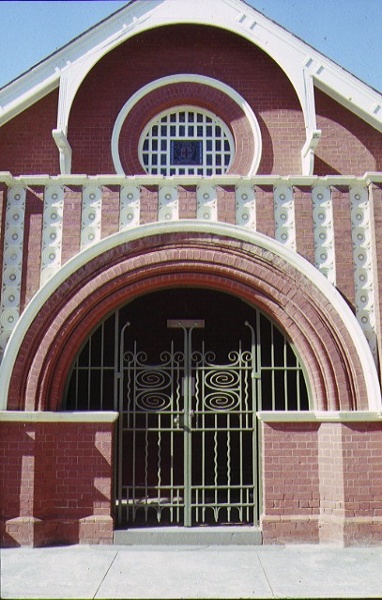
(180, 421)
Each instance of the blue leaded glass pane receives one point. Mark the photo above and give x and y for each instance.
(186, 152)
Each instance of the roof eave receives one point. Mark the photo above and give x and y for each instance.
(338, 83)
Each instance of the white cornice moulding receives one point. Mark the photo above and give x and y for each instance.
(369, 178)
(316, 416)
(20, 416)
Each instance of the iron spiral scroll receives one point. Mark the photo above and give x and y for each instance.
(222, 384)
(154, 384)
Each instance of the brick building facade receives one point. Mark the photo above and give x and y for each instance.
(190, 331)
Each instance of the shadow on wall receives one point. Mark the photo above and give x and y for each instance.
(57, 483)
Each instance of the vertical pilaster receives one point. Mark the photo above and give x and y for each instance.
(324, 252)
(375, 201)
(285, 227)
(129, 215)
(246, 207)
(52, 232)
(12, 263)
(91, 216)
(207, 203)
(168, 204)
(364, 267)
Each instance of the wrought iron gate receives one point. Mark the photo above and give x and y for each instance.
(187, 449)
(187, 431)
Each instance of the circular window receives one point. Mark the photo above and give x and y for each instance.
(186, 141)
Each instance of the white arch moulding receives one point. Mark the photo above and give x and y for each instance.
(187, 78)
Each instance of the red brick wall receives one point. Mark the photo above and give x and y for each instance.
(71, 226)
(34, 207)
(290, 483)
(348, 145)
(56, 483)
(343, 243)
(26, 142)
(322, 482)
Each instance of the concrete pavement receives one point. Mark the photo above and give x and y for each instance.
(301, 571)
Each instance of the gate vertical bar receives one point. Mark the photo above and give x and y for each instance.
(120, 411)
(255, 377)
(187, 428)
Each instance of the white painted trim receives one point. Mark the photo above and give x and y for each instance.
(187, 78)
(20, 416)
(65, 151)
(187, 226)
(315, 416)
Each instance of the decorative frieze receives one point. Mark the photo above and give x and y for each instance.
(91, 216)
(52, 232)
(12, 263)
(168, 204)
(207, 203)
(285, 229)
(246, 207)
(129, 215)
(324, 249)
(363, 264)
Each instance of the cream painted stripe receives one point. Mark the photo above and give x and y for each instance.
(315, 416)
(129, 207)
(207, 208)
(12, 264)
(52, 232)
(246, 206)
(57, 417)
(323, 224)
(189, 226)
(168, 203)
(285, 224)
(91, 216)
(364, 268)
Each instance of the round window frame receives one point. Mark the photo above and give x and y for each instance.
(216, 120)
(235, 97)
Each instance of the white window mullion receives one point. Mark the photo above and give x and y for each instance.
(173, 130)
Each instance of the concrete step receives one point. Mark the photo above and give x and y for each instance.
(189, 536)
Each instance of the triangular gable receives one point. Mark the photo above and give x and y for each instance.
(304, 66)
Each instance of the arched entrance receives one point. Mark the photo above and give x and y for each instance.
(187, 369)
(331, 344)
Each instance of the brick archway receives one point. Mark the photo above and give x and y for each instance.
(257, 276)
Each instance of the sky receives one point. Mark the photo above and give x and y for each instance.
(347, 31)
